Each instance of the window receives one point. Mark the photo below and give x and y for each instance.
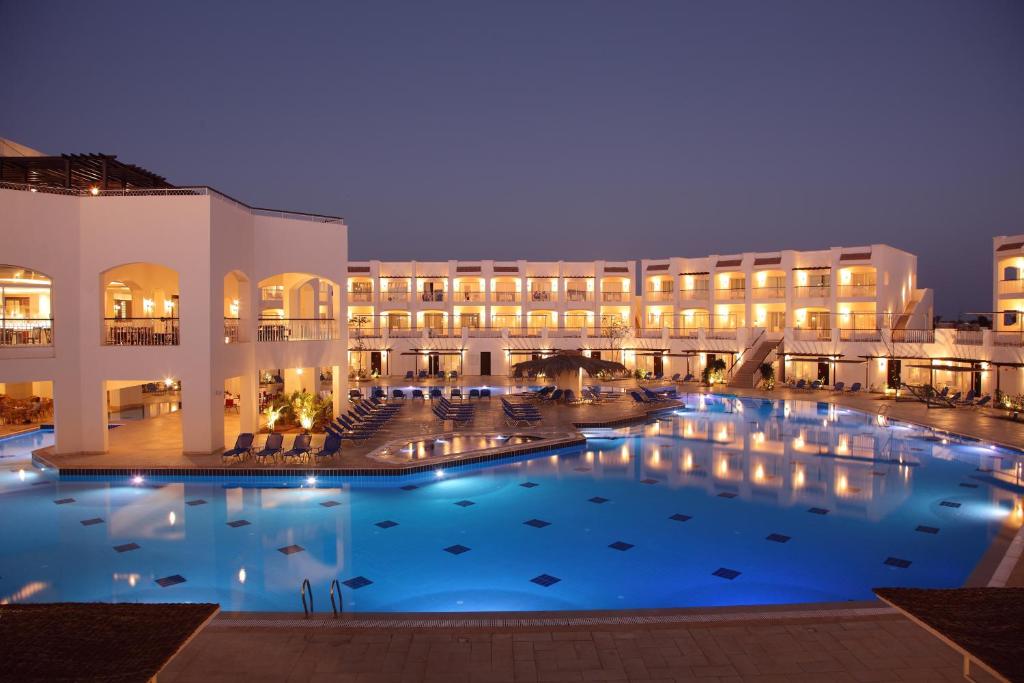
(1010, 318)
(1011, 273)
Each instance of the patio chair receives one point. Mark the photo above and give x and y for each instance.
(955, 398)
(354, 394)
(675, 377)
(422, 374)
(409, 375)
(569, 396)
(637, 398)
(801, 384)
(397, 393)
(300, 448)
(457, 393)
(969, 399)
(440, 376)
(485, 393)
(271, 448)
(417, 393)
(983, 401)
(243, 444)
(378, 393)
(556, 395)
(944, 392)
(331, 447)
(816, 384)
(436, 393)
(474, 393)
(838, 386)
(854, 388)
(689, 378)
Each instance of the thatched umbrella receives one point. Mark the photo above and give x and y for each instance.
(566, 368)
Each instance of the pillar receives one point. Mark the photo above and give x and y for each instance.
(339, 388)
(202, 415)
(87, 420)
(249, 399)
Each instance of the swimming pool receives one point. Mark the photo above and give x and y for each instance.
(731, 502)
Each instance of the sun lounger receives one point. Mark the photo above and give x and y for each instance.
(243, 444)
(417, 393)
(397, 393)
(300, 448)
(331, 447)
(409, 375)
(271, 448)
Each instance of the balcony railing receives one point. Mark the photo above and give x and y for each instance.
(395, 297)
(722, 333)
(1008, 338)
(661, 295)
(503, 297)
(26, 332)
(435, 296)
(813, 291)
(1011, 286)
(969, 337)
(850, 291)
(578, 295)
(231, 331)
(360, 297)
(769, 292)
(140, 331)
(542, 295)
(355, 331)
(857, 334)
(913, 336)
(469, 296)
(694, 294)
(812, 334)
(730, 293)
(613, 297)
(686, 332)
(297, 329)
(652, 332)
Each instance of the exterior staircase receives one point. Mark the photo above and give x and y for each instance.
(743, 376)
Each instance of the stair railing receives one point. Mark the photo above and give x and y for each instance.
(742, 353)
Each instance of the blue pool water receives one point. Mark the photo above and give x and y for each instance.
(730, 502)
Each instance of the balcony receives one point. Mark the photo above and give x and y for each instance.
(812, 334)
(140, 331)
(722, 333)
(1008, 338)
(813, 291)
(360, 297)
(857, 334)
(614, 297)
(503, 297)
(578, 296)
(853, 291)
(469, 296)
(542, 296)
(1011, 286)
(395, 297)
(653, 332)
(969, 337)
(913, 336)
(26, 332)
(685, 333)
(769, 292)
(660, 295)
(397, 330)
(731, 293)
(231, 331)
(694, 294)
(297, 329)
(437, 296)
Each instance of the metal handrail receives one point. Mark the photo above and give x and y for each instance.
(303, 589)
(340, 607)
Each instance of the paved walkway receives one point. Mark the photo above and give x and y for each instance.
(830, 651)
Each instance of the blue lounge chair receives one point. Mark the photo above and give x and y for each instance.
(243, 444)
(331, 447)
(354, 394)
(436, 393)
(689, 378)
(969, 399)
(485, 393)
(300, 448)
(378, 393)
(440, 376)
(409, 374)
(271, 448)
(457, 393)
(801, 384)
(838, 386)
(983, 401)
(854, 388)
(956, 397)
(397, 393)
(417, 393)
(637, 398)
(556, 395)
(423, 374)
(944, 392)
(569, 396)
(675, 377)
(474, 393)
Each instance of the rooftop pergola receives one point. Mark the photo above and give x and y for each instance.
(79, 171)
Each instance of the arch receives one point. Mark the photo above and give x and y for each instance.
(299, 307)
(140, 304)
(237, 306)
(26, 307)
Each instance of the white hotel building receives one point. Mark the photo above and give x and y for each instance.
(112, 279)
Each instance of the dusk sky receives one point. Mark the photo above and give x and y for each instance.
(558, 130)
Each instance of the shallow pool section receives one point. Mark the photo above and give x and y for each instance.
(730, 502)
(427, 449)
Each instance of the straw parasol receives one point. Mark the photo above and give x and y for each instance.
(566, 367)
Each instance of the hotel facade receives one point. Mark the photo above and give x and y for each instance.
(113, 281)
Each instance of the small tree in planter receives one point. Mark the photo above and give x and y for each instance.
(767, 376)
(714, 372)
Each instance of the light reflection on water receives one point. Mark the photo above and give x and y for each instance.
(807, 502)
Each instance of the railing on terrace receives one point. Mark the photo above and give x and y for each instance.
(1011, 286)
(395, 297)
(565, 331)
(578, 295)
(140, 331)
(969, 337)
(26, 332)
(906, 336)
(721, 333)
(231, 331)
(503, 297)
(355, 331)
(730, 292)
(297, 329)
(650, 332)
(812, 334)
(613, 297)
(849, 291)
(1008, 338)
(482, 331)
(685, 332)
(360, 297)
(403, 331)
(472, 296)
(813, 291)
(661, 295)
(542, 295)
(857, 334)
(693, 294)
(194, 191)
(435, 296)
(769, 292)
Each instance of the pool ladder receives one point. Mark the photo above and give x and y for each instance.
(306, 590)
